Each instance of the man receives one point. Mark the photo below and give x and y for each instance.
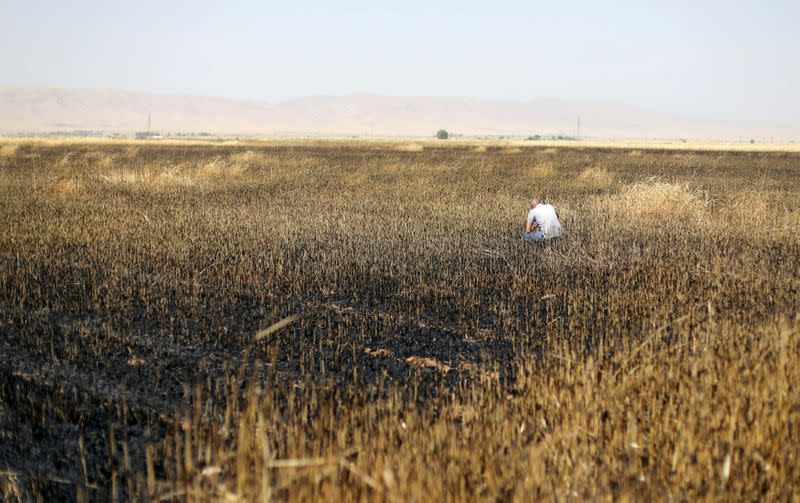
(542, 223)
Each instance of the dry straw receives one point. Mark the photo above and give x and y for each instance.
(67, 187)
(8, 150)
(410, 147)
(416, 349)
(542, 170)
(596, 177)
(654, 201)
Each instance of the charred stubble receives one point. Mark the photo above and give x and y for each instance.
(345, 321)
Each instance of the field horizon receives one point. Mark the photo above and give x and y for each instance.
(411, 143)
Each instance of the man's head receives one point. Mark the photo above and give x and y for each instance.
(534, 202)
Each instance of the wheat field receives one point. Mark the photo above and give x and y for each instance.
(360, 321)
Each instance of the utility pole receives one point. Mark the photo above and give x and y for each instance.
(148, 123)
(578, 130)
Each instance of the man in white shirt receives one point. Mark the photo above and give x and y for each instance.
(542, 223)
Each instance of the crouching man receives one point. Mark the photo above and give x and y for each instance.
(542, 223)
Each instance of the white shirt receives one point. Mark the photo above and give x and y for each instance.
(544, 215)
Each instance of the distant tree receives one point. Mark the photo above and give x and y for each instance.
(752, 140)
(442, 134)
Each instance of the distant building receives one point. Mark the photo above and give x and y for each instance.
(148, 134)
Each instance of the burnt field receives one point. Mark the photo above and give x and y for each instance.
(361, 321)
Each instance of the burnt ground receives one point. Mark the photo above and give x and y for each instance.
(84, 373)
(64, 418)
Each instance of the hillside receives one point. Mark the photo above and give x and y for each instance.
(38, 110)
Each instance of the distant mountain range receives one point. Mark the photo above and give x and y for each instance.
(40, 110)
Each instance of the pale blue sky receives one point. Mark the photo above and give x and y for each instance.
(705, 59)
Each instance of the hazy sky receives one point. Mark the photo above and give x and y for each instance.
(705, 59)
